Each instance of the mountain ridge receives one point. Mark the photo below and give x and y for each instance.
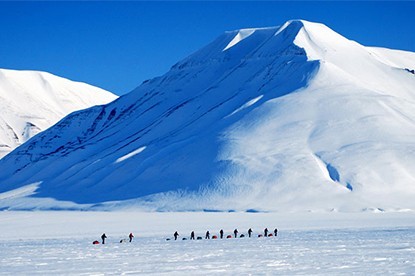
(32, 101)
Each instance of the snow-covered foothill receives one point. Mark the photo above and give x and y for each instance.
(289, 118)
(32, 101)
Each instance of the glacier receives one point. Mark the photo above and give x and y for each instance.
(289, 118)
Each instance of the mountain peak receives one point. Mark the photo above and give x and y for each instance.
(314, 38)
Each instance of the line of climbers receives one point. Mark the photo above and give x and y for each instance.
(221, 234)
(207, 235)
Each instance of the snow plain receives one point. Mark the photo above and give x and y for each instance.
(60, 243)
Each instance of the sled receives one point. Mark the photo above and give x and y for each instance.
(95, 242)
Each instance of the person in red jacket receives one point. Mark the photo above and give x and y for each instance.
(131, 236)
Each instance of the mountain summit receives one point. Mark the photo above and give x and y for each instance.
(32, 101)
(289, 118)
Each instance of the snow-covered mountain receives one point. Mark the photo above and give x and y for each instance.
(32, 101)
(291, 118)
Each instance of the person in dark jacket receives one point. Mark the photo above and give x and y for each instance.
(103, 237)
(221, 233)
(131, 236)
(192, 235)
(275, 232)
(266, 232)
(175, 235)
(207, 235)
(249, 232)
(235, 232)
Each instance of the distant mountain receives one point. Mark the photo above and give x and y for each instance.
(289, 118)
(32, 101)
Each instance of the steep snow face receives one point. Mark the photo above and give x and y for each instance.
(32, 101)
(289, 118)
(346, 139)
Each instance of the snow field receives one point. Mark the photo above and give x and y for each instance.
(60, 243)
(308, 252)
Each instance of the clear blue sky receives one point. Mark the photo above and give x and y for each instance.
(117, 45)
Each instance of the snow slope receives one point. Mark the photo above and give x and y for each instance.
(32, 101)
(287, 118)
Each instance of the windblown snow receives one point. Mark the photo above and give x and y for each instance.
(241, 35)
(129, 155)
(291, 118)
(32, 101)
